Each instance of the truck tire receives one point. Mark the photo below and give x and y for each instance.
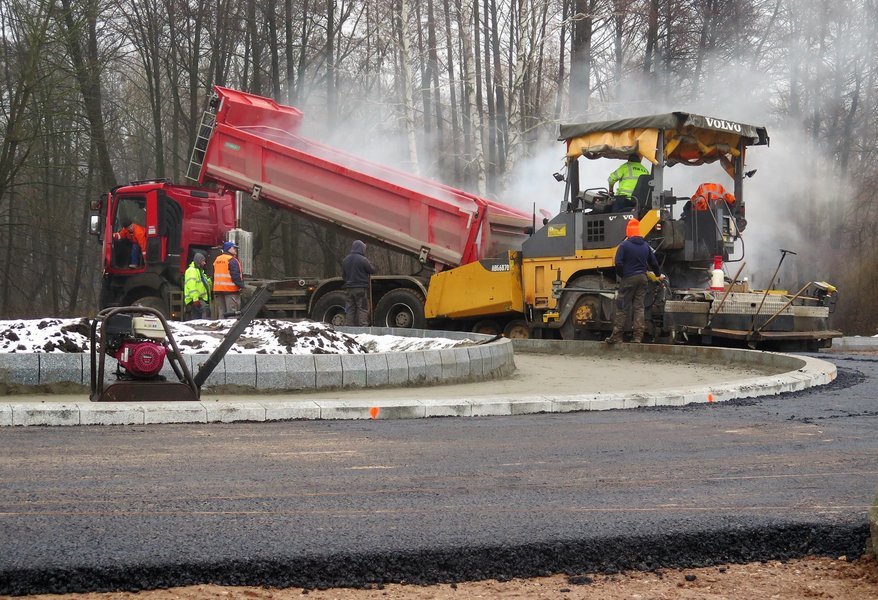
(487, 327)
(402, 308)
(517, 329)
(330, 308)
(584, 320)
(152, 302)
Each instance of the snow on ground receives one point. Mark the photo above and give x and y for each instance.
(262, 336)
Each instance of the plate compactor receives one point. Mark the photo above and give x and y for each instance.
(140, 340)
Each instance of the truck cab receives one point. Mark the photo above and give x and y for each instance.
(161, 208)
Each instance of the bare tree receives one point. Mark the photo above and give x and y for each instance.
(465, 20)
(405, 83)
(77, 25)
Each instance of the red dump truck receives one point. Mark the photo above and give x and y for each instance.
(251, 144)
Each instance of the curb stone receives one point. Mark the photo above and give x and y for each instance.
(801, 372)
(36, 372)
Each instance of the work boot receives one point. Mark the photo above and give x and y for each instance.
(616, 336)
(637, 338)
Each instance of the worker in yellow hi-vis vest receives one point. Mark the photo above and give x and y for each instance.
(196, 289)
(626, 176)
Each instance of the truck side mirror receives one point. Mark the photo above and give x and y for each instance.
(94, 224)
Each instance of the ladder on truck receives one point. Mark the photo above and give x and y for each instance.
(202, 137)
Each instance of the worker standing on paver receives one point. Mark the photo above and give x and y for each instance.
(356, 269)
(634, 257)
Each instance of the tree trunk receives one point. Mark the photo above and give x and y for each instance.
(405, 85)
(580, 54)
(288, 52)
(559, 82)
(452, 85)
(433, 69)
(502, 117)
(255, 47)
(331, 92)
(471, 113)
(651, 37)
(274, 51)
(87, 69)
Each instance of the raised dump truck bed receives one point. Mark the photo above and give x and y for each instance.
(254, 145)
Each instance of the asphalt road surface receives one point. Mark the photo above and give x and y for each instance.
(321, 503)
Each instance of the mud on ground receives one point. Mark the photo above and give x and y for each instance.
(839, 579)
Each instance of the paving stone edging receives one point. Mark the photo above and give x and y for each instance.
(800, 372)
(854, 343)
(242, 373)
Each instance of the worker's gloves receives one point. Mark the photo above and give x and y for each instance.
(197, 304)
(116, 236)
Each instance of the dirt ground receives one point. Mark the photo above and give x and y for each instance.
(839, 579)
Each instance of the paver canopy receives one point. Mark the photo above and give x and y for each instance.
(688, 139)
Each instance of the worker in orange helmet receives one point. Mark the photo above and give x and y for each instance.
(634, 257)
(137, 234)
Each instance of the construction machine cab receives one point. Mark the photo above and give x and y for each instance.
(667, 140)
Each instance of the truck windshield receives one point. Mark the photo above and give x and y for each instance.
(131, 208)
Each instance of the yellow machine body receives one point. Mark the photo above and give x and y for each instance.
(539, 273)
(481, 288)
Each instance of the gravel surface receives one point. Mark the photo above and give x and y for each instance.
(817, 577)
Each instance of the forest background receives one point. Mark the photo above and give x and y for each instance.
(95, 93)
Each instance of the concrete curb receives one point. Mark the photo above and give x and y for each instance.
(854, 344)
(46, 372)
(803, 372)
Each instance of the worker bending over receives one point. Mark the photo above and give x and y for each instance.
(137, 236)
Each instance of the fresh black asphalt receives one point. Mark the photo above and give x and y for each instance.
(342, 503)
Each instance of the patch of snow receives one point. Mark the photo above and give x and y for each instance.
(262, 336)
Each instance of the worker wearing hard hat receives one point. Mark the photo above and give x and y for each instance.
(634, 258)
(626, 176)
(228, 281)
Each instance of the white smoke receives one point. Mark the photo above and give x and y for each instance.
(787, 201)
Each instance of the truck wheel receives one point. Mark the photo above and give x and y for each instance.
(330, 308)
(585, 313)
(584, 319)
(487, 326)
(517, 330)
(152, 302)
(402, 308)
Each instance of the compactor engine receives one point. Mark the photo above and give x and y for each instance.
(138, 344)
(140, 340)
